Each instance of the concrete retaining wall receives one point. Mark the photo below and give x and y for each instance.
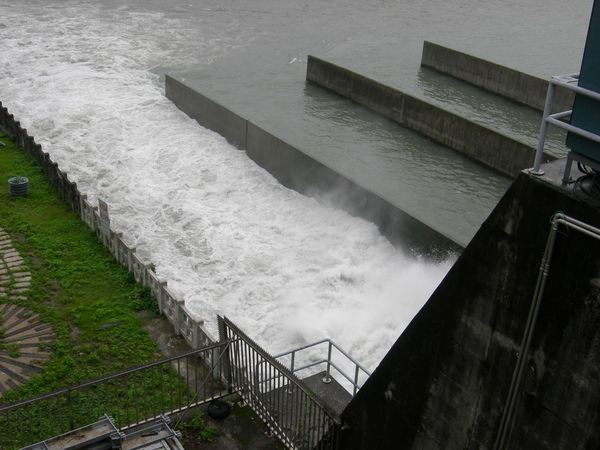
(184, 323)
(444, 383)
(296, 170)
(517, 86)
(490, 148)
(208, 113)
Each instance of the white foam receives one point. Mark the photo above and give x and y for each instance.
(227, 237)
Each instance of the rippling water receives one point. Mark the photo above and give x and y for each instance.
(85, 78)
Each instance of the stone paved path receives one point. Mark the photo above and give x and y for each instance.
(24, 339)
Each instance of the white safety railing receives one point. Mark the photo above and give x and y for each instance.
(358, 369)
(558, 119)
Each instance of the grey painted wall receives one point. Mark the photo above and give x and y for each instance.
(444, 382)
(296, 170)
(517, 86)
(490, 148)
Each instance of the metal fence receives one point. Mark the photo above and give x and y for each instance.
(355, 380)
(291, 411)
(140, 395)
(132, 397)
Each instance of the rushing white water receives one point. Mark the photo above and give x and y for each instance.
(84, 78)
(227, 237)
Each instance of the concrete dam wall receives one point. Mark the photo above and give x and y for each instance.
(517, 86)
(445, 382)
(296, 170)
(494, 150)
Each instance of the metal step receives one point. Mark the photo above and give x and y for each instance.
(104, 435)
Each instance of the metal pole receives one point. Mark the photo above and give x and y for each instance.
(543, 130)
(327, 378)
(508, 413)
(290, 388)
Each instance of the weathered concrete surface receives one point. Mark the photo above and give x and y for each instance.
(496, 151)
(517, 86)
(296, 170)
(444, 383)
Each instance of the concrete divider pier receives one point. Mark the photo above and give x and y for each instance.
(512, 84)
(496, 151)
(296, 170)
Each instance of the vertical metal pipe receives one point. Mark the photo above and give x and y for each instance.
(98, 401)
(126, 390)
(70, 407)
(136, 406)
(50, 422)
(248, 370)
(30, 425)
(145, 393)
(40, 422)
(88, 406)
(327, 378)
(310, 421)
(178, 382)
(9, 428)
(543, 130)
(292, 365)
(507, 415)
(79, 414)
(115, 413)
(60, 419)
(187, 386)
(2, 444)
(298, 399)
(170, 388)
(154, 411)
(108, 398)
(293, 362)
(198, 361)
(20, 422)
(162, 387)
(209, 390)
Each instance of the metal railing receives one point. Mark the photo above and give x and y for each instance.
(173, 385)
(358, 369)
(132, 397)
(291, 411)
(558, 119)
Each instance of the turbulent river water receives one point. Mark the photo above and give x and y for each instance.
(86, 79)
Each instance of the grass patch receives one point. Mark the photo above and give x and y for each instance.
(197, 424)
(75, 284)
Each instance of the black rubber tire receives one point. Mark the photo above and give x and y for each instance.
(219, 409)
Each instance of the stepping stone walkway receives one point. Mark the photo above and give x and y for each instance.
(24, 339)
